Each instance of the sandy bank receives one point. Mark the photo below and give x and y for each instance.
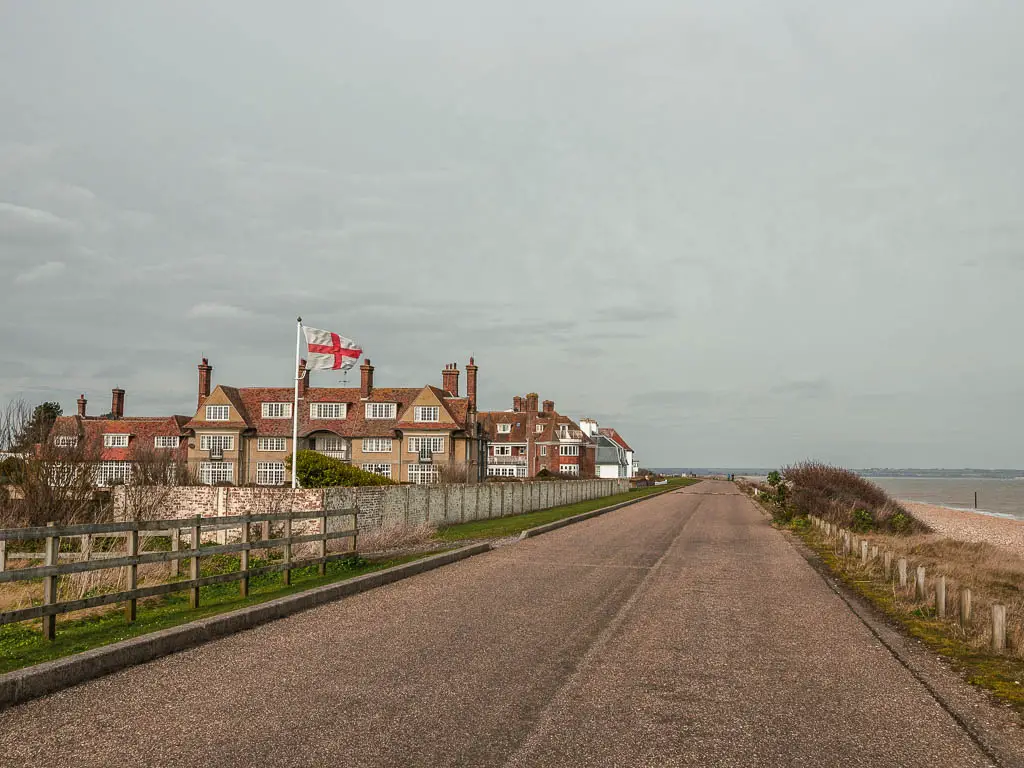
(970, 526)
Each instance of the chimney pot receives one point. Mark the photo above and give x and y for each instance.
(450, 379)
(117, 402)
(549, 407)
(205, 379)
(471, 371)
(531, 402)
(366, 383)
(81, 405)
(303, 378)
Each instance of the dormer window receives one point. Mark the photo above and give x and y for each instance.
(327, 410)
(218, 413)
(381, 410)
(504, 429)
(428, 413)
(166, 441)
(115, 441)
(277, 410)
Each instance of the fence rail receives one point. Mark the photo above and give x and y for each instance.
(131, 559)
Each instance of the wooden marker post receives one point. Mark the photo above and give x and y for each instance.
(940, 597)
(998, 628)
(901, 566)
(50, 585)
(965, 607)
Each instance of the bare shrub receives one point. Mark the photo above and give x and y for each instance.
(394, 537)
(453, 473)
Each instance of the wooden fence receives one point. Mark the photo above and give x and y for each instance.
(131, 559)
(847, 543)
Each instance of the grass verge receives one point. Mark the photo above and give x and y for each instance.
(497, 527)
(22, 644)
(1001, 675)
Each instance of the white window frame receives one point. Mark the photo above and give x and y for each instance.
(104, 473)
(423, 474)
(502, 450)
(384, 470)
(381, 410)
(539, 428)
(333, 444)
(427, 413)
(570, 469)
(271, 444)
(568, 450)
(214, 413)
(211, 472)
(115, 440)
(66, 441)
(504, 429)
(276, 410)
(377, 445)
(269, 473)
(166, 441)
(320, 411)
(224, 442)
(543, 450)
(436, 444)
(503, 470)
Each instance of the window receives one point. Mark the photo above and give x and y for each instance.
(269, 473)
(218, 413)
(66, 441)
(428, 413)
(539, 428)
(377, 445)
(224, 442)
(504, 429)
(112, 472)
(502, 471)
(568, 450)
(378, 469)
(543, 450)
(277, 410)
(503, 450)
(166, 441)
(115, 441)
(422, 473)
(327, 410)
(271, 444)
(381, 410)
(332, 444)
(211, 472)
(435, 444)
(570, 469)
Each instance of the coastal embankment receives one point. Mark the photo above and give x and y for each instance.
(965, 525)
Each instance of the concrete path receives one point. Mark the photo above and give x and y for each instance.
(679, 631)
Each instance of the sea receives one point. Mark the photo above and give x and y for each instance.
(1001, 497)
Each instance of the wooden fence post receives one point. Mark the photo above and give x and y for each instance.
(3, 555)
(132, 572)
(940, 597)
(887, 564)
(322, 570)
(265, 533)
(874, 552)
(919, 585)
(87, 547)
(965, 607)
(901, 566)
(287, 572)
(175, 547)
(243, 583)
(50, 585)
(193, 567)
(863, 551)
(998, 628)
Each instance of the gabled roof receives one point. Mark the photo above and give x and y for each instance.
(141, 431)
(610, 432)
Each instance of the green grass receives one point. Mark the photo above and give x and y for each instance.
(22, 644)
(508, 526)
(1001, 675)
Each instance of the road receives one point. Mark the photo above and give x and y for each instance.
(683, 630)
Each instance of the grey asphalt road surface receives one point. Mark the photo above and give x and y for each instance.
(679, 631)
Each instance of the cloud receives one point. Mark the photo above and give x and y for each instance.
(23, 225)
(215, 311)
(42, 272)
(803, 389)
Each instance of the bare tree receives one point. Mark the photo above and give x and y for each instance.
(154, 473)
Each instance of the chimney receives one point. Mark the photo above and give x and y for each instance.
(471, 370)
(81, 406)
(531, 402)
(205, 378)
(549, 407)
(366, 386)
(117, 402)
(303, 378)
(517, 404)
(450, 379)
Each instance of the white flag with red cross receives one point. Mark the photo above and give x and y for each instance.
(328, 351)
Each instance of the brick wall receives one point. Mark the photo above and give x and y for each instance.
(390, 505)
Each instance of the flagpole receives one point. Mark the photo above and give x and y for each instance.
(295, 408)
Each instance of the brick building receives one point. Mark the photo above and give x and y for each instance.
(523, 441)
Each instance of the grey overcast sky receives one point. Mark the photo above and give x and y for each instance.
(743, 232)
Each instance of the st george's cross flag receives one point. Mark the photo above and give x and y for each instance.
(329, 351)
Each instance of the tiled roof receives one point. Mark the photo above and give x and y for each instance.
(141, 431)
(610, 432)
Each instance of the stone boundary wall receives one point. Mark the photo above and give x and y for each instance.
(379, 506)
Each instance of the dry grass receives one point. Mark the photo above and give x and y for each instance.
(398, 537)
(993, 575)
